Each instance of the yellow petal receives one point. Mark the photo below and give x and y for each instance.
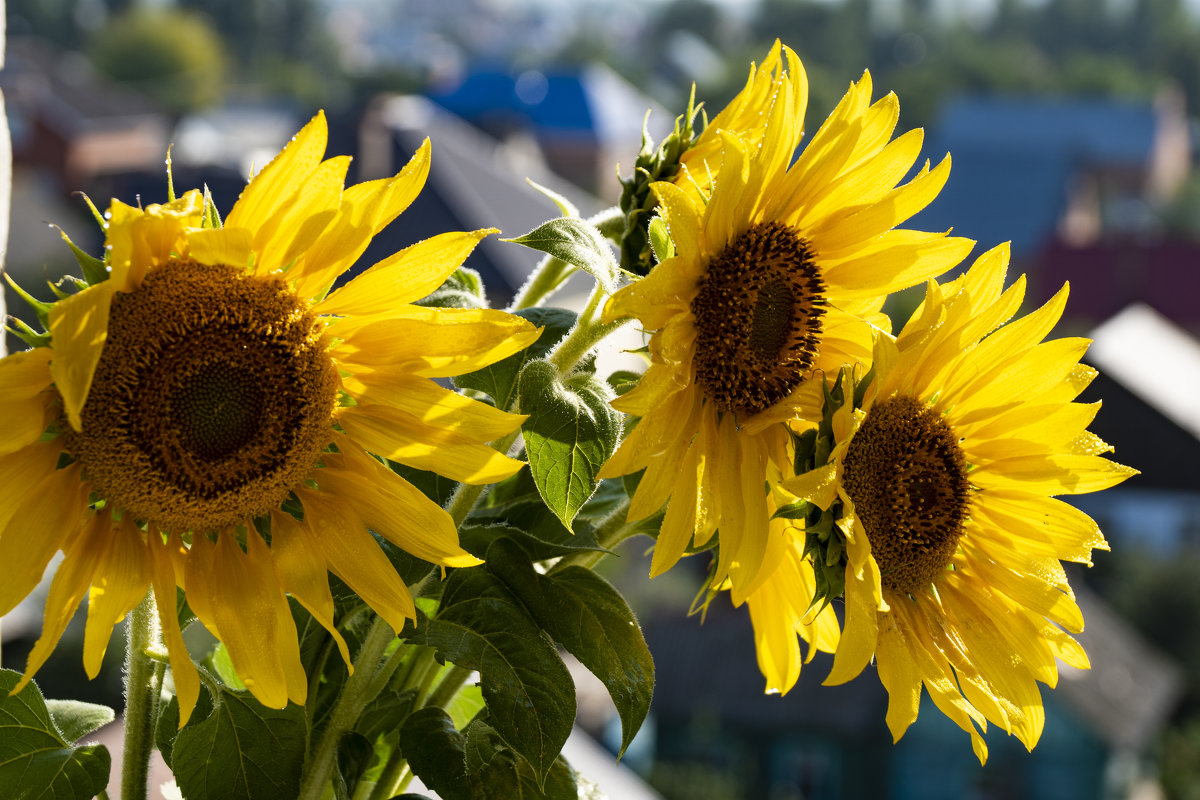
(296, 224)
(899, 675)
(70, 584)
(393, 434)
(677, 428)
(861, 632)
(24, 379)
(230, 246)
(365, 209)
(393, 507)
(342, 539)
(78, 329)
(162, 576)
(1052, 475)
(895, 267)
(273, 187)
(680, 519)
(240, 592)
(433, 342)
(839, 237)
(405, 276)
(121, 580)
(44, 520)
(431, 404)
(303, 573)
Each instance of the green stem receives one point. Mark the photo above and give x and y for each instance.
(393, 779)
(545, 280)
(587, 333)
(451, 683)
(360, 689)
(143, 685)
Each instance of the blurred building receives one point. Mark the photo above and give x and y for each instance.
(1032, 170)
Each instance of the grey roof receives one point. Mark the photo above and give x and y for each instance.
(1131, 688)
(474, 182)
(1154, 359)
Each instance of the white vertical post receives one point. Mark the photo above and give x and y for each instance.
(5, 177)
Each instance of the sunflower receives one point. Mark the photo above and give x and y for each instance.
(780, 270)
(944, 486)
(204, 414)
(745, 115)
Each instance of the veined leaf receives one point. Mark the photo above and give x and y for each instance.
(588, 617)
(528, 691)
(571, 431)
(35, 761)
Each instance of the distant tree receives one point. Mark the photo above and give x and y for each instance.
(173, 56)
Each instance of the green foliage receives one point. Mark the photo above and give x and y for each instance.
(37, 761)
(569, 434)
(587, 616)
(477, 764)
(173, 56)
(499, 381)
(241, 749)
(529, 694)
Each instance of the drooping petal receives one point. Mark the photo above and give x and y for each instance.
(341, 538)
(121, 579)
(78, 328)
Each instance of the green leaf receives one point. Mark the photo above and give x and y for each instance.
(529, 693)
(354, 753)
(579, 244)
(476, 764)
(435, 752)
(167, 728)
(499, 381)
(385, 713)
(242, 749)
(537, 528)
(76, 719)
(463, 289)
(571, 431)
(36, 763)
(565, 206)
(587, 616)
(220, 662)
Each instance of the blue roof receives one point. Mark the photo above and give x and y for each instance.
(1093, 129)
(1014, 158)
(546, 100)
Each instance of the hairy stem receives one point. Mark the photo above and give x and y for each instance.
(143, 685)
(360, 689)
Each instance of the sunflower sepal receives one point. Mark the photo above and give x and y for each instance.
(94, 269)
(655, 162)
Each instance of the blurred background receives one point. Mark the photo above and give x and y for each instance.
(1073, 130)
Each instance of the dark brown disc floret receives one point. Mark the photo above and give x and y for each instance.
(758, 318)
(906, 473)
(212, 399)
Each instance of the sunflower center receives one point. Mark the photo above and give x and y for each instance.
(211, 401)
(218, 410)
(906, 474)
(758, 319)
